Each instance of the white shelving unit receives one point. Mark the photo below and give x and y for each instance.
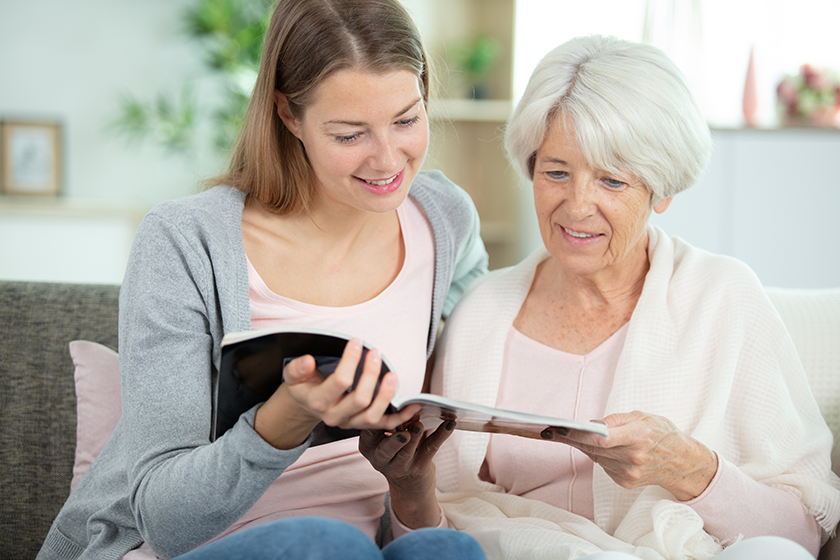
(471, 110)
(466, 141)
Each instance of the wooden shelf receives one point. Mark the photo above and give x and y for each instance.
(496, 232)
(69, 208)
(467, 140)
(472, 110)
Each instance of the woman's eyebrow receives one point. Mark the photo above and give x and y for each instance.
(407, 108)
(553, 160)
(359, 123)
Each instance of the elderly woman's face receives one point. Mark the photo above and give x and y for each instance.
(591, 221)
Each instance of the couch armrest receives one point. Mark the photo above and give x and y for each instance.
(38, 401)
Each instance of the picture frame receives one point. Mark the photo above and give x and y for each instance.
(30, 158)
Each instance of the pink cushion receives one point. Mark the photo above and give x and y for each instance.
(98, 405)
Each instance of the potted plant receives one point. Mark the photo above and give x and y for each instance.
(810, 98)
(475, 60)
(231, 33)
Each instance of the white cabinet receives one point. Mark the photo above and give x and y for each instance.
(54, 240)
(770, 198)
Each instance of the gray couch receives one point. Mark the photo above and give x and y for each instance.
(38, 402)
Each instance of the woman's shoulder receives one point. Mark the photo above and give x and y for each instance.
(202, 225)
(675, 259)
(451, 212)
(695, 261)
(216, 209)
(433, 187)
(703, 277)
(216, 201)
(434, 180)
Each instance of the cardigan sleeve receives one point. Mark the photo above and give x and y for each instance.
(184, 489)
(471, 264)
(735, 506)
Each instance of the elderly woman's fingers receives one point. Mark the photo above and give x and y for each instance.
(435, 439)
(398, 450)
(646, 450)
(404, 453)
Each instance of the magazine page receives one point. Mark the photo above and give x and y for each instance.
(476, 418)
(252, 369)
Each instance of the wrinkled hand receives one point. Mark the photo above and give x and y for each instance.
(306, 398)
(406, 460)
(647, 450)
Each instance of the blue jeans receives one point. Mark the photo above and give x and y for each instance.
(319, 538)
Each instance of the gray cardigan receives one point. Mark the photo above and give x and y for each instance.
(159, 479)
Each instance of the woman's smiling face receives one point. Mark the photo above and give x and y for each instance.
(365, 135)
(591, 221)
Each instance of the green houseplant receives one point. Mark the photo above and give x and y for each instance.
(230, 34)
(474, 60)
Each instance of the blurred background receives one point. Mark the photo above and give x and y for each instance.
(108, 107)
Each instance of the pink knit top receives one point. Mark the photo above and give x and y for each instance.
(575, 386)
(334, 480)
(543, 380)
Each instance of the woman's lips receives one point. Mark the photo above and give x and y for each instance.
(579, 237)
(577, 234)
(383, 186)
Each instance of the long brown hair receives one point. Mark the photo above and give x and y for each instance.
(308, 40)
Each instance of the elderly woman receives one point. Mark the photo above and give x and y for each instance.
(714, 436)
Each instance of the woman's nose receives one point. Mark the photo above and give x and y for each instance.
(580, 202)
(385, 155)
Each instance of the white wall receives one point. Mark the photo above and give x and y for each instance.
(83, 244)
(71, 60)
(770, 197)
(709, 40)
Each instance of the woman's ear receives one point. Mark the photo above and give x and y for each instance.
(662, 205)
(285, 113)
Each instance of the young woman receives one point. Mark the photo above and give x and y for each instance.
(324, 219)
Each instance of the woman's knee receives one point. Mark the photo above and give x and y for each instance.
(433, 544)
(299, 538)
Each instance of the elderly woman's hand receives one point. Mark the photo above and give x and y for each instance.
(646, 450)
(405, 458)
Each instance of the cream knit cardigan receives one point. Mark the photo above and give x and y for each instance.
(705, 348)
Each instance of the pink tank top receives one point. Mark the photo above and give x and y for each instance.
(547, 381)
(334, 480)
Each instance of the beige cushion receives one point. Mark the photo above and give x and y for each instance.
(813, 319)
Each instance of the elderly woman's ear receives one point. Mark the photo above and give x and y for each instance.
(662, 205)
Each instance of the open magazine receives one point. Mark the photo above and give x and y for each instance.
(252, 369)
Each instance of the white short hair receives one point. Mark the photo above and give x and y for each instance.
(631, 109)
